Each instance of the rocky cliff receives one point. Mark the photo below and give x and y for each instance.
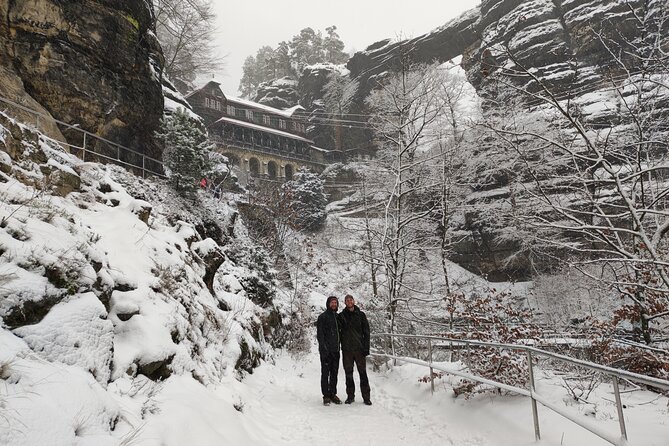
(280, 93)
(95, 63)
(561, 41)
(575, 48)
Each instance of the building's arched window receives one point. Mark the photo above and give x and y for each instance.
(254, 167)
(272, 170)
(289, 171)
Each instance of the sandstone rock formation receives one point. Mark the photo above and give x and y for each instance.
(560, 40)
(93, 63)
(280, 93)
(570, 46)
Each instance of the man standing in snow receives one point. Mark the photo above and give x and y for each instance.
(355, 348)
(327, 332)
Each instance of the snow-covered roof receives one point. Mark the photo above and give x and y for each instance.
(203, 84)
(287, 113)
(264, 129)
(294, 109)
(319, 149)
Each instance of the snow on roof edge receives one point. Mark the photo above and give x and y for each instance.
(263, 128)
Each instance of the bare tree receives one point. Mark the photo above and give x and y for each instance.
(601, 191)
(450, 146)
(186, 32)
(404, 107)
(339, 96)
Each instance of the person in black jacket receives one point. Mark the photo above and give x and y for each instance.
(327, 332)
(355, 348)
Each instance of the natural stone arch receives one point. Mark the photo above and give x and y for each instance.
(289, 171)
(272, 170)
(254, 167)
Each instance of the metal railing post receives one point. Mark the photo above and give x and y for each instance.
(535, 413)
(143, 166)
(619, 406)
(610, 437)
(39, 117)
(429, 351)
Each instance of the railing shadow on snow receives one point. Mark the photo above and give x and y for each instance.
(532, 354)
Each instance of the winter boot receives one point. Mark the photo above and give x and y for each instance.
(349, 400)
(326, 400)
(368, 402)
(335, 399)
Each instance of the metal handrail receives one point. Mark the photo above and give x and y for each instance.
(531, 392)
(87, 136)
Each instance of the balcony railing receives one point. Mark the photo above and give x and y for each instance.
(253, 147)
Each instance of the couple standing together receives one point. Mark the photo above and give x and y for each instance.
(350, 330)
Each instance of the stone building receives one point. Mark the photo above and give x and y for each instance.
(260, 141)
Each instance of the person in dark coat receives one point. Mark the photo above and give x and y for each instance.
(355, 348)
(327, 332)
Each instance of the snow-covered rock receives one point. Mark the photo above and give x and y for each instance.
(115, 282)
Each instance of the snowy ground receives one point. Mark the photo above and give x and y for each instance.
(280, 404)
(71, 378)
(287, 397)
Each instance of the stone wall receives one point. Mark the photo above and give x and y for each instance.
(243, 160)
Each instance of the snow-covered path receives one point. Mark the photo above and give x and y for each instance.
(285, 398)
(290, 401)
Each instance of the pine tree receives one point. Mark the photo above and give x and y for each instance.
(289, 58)
(306, 198)
(186, 153)
(257, 70)
(185, 31)
(306, 48)
(333, 47)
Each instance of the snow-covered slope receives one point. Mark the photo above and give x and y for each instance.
(128, 317)
(111, 287)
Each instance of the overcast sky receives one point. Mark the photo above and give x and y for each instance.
(245, 26)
